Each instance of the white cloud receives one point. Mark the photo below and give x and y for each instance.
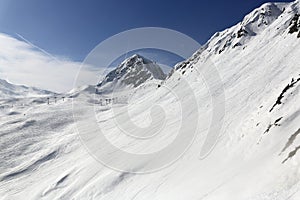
(23, 63)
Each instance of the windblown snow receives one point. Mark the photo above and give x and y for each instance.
(257, 156)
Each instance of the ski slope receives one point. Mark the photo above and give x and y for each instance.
(43, 147)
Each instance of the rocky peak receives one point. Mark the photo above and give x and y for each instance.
(133, 71)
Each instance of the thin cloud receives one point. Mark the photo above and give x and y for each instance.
(34, 46)
(22, 62)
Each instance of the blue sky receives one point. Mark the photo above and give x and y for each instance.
(72, 28)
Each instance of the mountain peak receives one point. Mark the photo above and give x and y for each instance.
(133, 72)
(136, 58)
(262, 16)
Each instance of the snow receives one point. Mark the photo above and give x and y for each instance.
(8, 90)
(132, 72)
(43, 157)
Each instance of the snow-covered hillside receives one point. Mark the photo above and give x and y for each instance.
(44, 155)
(8, 90)
(21, 96)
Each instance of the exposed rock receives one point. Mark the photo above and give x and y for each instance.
(242, 32)
(294, 25)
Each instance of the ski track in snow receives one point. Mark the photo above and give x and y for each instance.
(256, 157)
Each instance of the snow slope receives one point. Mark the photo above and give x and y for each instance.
(22, 96)
(256, 157)
(8, 90)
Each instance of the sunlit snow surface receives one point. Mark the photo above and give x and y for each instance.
(256, 158)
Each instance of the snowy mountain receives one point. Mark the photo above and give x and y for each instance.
(257, 22)
(270, 22)
(8, 90)
(130, 76)
(132, 72)
(257, 152)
